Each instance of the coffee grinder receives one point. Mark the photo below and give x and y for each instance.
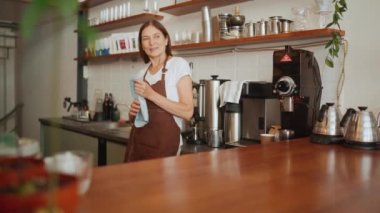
(297, 83)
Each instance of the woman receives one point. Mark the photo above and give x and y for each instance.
(167, 88)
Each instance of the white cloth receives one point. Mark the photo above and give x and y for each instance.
(142, 117)
(230, 92)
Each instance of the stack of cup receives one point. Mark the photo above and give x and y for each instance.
(206, 24)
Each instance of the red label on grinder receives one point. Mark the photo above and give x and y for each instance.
(286, 58)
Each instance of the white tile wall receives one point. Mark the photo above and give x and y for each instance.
(113, 76)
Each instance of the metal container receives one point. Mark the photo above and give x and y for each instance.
(201, 98)
(250, 29)
(232, 123)
(212, 112)
(206, 24)
(261, 28)
(274, 26)
(285, 25)
(215, 138)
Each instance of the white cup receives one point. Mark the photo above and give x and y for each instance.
(77, 163)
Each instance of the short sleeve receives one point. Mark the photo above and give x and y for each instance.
(182, 68)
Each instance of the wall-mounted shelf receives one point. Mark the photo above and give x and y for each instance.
(196, 5)
(92, 3)
(297, 35)
(128, 21)
(283, 37)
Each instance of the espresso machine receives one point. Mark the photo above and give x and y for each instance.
(259, 109)
(297, 83)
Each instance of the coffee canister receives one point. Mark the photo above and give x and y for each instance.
(212, 112)
(261, 28)
(232, 122)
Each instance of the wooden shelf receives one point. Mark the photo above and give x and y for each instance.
(128, 21)
(299, 35)
(196, 5)
(92, 3)
(113, 56)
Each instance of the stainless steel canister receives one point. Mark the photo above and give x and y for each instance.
(274, 24)
(212, 112)
(206, 24)
(215, 138)
(250, 29)
(285, 25)
(201, 98)
(261, 28)
(232, 122)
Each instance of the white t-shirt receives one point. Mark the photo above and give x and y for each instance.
(177, 67)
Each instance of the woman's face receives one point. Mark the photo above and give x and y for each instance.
(153, 41)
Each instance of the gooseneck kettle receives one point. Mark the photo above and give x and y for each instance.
(362, 129)
(327, 128)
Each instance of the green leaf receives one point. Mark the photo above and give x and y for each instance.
(329, 62)
(67, 7)
(31, 16)
(86, 32)
(329, 25)
(329, 43)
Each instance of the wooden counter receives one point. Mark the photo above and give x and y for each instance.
(295, 176)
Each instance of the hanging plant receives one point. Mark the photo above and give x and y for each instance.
(333, 46)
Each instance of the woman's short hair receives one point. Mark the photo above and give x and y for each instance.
(161, 28)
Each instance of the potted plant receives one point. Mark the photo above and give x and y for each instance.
(333, 45)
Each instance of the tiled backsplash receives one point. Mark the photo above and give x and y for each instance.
(114, 76)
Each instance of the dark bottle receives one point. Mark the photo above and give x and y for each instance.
(111, 107)
(105, 107)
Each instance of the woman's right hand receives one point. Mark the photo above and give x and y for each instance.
(133, 110)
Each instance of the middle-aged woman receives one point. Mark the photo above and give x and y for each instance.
(167, 88)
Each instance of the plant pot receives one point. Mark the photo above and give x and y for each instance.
(30, 191)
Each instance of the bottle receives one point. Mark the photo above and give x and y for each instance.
(110, 107)
(105, 107)
(116, 114)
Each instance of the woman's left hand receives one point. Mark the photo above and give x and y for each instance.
(143, 89)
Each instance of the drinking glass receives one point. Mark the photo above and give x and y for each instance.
(77, 163)
(300, 18)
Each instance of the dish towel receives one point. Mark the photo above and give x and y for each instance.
(230, 92)
(142, 117)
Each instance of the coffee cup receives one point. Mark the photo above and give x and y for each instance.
(266, 138)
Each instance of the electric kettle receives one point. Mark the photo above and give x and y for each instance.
(327, 128)
(362, 129)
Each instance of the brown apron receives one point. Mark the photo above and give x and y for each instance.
(160, 137)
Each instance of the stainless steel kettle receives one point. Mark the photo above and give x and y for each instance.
(362, 129)
(327, 128)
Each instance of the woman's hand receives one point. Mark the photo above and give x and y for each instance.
(143, 89)
(133, 110)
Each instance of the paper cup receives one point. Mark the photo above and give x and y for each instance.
(266, 138)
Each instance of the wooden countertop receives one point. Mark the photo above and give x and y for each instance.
(295, 176)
